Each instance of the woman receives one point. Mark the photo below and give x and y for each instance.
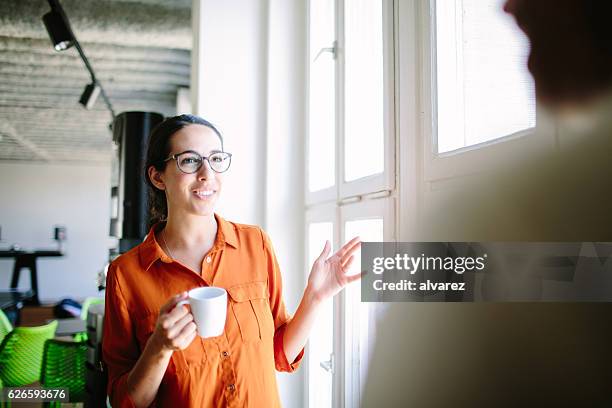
(150, 346)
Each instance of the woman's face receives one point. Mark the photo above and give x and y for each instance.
(195, 193)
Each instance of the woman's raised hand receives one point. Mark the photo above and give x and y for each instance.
(328, 274)
(175, 328)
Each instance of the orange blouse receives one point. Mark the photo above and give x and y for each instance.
(235, 369)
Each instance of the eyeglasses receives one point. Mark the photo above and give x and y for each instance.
(190, 162)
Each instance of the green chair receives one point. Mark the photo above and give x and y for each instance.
(90, 301)
(5, 325)
(5, 328)
(21, 354)
(63, 366)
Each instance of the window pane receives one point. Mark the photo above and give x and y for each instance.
(322, 83)
(363, 92)
(484, 90)
(370, 230)
(320, 343)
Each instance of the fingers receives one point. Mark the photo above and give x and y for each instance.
(170, 318)
(173, 333)
(353, 278)
(182, 338)
(346, 265)
(180, 324)
(185, 336)
(172, 302)
(346, 253)
(175, 327)
(325, 252)
(349, 248)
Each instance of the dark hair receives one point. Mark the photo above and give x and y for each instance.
(158, 150)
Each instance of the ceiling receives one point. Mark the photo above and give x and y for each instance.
(139, 50)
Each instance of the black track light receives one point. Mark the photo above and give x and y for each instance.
(89, 95)
(58, 31)
(62, 37)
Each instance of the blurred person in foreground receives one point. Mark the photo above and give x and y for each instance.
(520, 354)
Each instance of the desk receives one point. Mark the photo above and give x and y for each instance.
(69, 327)
(11, 302)
(27, 259)
(12, 298)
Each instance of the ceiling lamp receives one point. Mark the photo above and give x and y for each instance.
(89, 95)
(60, 35)
(63, 37)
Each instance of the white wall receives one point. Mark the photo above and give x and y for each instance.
(284, 205)
(228, 76)
(34, 198)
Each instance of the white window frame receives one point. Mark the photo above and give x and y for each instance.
(349, 375)
(419, 168)
(480, 157)
(327, 194)
(367, 197)
(383, 181)
(378, 182)
(323, 213)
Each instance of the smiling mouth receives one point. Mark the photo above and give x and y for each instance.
(204, 193)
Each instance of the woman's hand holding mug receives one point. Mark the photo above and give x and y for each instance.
(175, 328)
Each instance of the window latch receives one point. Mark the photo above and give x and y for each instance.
(328, 365)
(333, 50)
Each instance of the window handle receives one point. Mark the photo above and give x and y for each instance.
(328, 365)
(332, 50)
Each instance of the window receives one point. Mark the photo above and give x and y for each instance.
(364, 133)
(448, 77)
(484, 90)
(466, 101)
(350, 169)
(320, 346)
(321, 99)
(369, 221)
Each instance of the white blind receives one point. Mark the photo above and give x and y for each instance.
(484, 90)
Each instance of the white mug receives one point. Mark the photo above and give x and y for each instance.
(209, 309)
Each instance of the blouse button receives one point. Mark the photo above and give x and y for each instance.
(208, 259)
(225, 354)
(231, 387)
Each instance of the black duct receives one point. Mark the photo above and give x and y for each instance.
(129, 191)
